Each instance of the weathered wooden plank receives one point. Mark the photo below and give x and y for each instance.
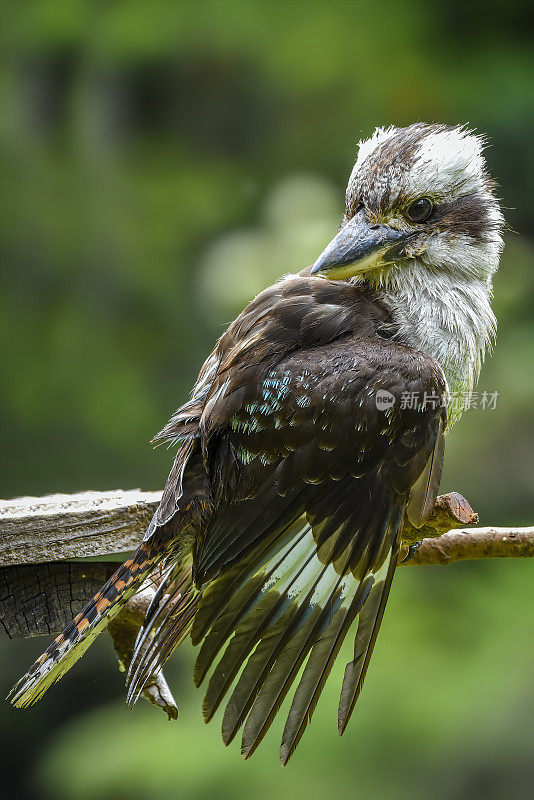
(42, 529)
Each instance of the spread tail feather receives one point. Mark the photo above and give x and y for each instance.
(74, 640)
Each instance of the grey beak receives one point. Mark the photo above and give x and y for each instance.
(359, 246)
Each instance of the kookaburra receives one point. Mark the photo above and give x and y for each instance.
(280, 524)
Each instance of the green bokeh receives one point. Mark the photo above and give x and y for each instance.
(160, 163)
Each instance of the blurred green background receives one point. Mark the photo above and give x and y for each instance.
(161, 163)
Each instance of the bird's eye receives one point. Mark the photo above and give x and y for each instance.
(420, 210)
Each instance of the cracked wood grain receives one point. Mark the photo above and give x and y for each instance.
(42, 599)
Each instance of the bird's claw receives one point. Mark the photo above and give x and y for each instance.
(412, 550)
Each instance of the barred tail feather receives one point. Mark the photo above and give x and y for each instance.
(74, 640)
(167, 623)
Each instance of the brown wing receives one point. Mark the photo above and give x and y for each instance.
(309, 481)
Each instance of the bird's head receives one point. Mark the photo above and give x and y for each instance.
(417, 194)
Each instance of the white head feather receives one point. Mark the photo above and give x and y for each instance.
(440, 299)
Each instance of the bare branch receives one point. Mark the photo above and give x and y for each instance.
(480, 543)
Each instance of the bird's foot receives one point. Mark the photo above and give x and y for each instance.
(412, 550)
